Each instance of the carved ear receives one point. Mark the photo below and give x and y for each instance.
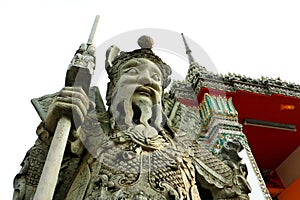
(111, 53)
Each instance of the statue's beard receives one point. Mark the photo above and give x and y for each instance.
(131, 106)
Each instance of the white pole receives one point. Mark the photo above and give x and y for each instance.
(48, 180)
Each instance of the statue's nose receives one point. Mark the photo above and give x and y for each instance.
(144, 78)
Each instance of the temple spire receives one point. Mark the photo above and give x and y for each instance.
(188, 50)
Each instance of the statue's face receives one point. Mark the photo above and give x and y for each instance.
(137, 93)
(147, 76)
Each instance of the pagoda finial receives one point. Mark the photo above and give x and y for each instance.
(188, 50)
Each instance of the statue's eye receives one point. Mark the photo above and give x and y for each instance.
(156, 77)
(131, 70)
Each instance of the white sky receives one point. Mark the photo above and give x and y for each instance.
(39, 39)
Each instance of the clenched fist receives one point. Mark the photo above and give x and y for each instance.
(71, 102)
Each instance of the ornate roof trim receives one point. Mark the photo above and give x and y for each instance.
(199, 77)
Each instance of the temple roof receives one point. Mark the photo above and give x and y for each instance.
(199, 77)
(269, 102)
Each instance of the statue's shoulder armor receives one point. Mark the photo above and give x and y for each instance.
(41, 104)
(183, 119)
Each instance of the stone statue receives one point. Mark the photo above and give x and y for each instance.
(133, 150)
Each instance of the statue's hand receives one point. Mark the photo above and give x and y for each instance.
(71, 102)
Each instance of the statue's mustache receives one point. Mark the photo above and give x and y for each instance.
(145, 90)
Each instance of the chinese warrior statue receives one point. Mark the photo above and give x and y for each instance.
(136, 149)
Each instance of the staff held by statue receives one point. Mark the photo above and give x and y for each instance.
(79, 75)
